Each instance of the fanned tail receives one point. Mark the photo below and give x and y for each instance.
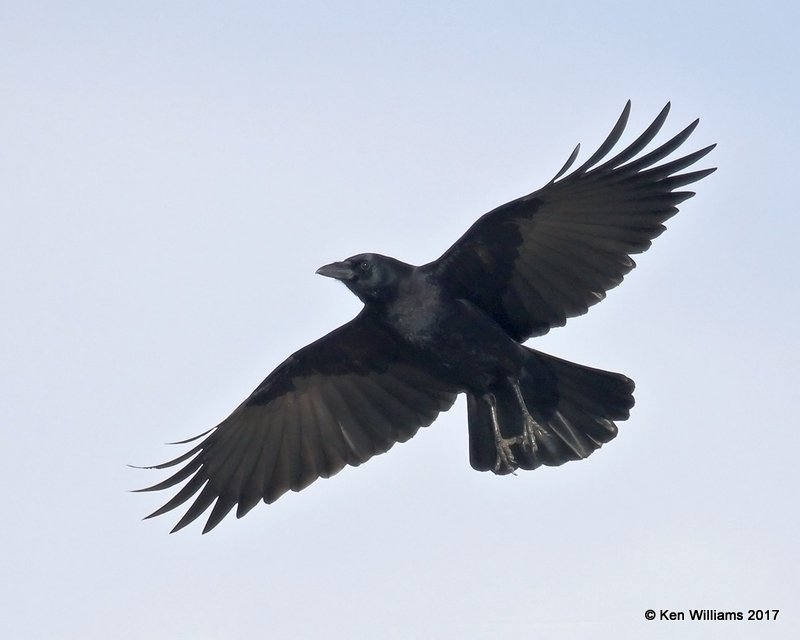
(574, 408)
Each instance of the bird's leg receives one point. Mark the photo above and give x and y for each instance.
(530, 428)
(506, 462)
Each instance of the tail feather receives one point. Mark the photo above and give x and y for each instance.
(575, 407)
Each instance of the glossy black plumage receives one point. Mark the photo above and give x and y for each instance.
(451, 326)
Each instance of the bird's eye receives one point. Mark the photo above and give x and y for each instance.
(364, 266)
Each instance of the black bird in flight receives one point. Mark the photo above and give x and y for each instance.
(455, 325)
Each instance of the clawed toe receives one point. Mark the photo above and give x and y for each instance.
(506, 462)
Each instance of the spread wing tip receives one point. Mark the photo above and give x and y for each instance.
(568, 163)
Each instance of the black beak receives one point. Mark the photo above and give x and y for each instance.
(339, 270)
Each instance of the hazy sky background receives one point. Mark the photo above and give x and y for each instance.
(173, 173)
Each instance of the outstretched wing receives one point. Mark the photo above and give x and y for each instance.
(548, 256)
(341, 400)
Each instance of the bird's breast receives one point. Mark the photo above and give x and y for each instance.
(418, 322)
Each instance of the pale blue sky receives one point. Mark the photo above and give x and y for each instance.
(174, 172)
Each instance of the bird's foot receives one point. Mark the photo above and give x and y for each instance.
(506, 462)
(531, 430)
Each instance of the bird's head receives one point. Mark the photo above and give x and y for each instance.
(372, 277)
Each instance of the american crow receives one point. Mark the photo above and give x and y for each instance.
(455, 325)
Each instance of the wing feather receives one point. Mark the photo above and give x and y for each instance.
(536, 261)
(341, 400)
